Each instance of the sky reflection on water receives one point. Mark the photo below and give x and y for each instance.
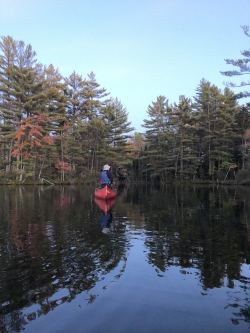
(174, 259)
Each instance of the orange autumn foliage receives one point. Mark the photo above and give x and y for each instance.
(63, 165)
(31, 134)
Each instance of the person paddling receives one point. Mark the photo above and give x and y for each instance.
(106, 176)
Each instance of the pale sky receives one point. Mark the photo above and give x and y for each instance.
(138, 49)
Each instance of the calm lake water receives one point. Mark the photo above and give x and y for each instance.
(172, 259)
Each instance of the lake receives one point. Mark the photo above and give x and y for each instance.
(158, 259)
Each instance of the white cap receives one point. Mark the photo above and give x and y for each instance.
(106, 167)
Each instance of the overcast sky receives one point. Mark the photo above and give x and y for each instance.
(138, 49)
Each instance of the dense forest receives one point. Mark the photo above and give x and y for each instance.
(56, 129)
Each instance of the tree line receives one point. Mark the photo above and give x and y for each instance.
(55, 128)
(205, 139)
(64, 129)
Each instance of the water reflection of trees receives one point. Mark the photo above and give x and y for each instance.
(201, 228)
(50, 241)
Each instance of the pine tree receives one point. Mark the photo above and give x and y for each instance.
(216, 121)
(242, 142)
(160, 140)
(54, 88)
(92, 134)
(20, 88)
(118, 131)
(93, 98)
(225, 132)
(187, 156)
(74, 92)
(206, 104)
(7, 59)
(243, 67)
(74, 86)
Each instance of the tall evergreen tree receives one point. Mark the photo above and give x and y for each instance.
(243, 67)
(74, 86)
(54, 88)
(93, 133)
(7, 59)
(206, 104)
(94, 97)
(242, 142)
(118, 130)
(160, 140)
(74, 92)
(187, 156)
(216, 120)
(20, 87)
(225, 132)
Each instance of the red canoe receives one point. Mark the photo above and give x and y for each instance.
(105, 205)
(105, 193)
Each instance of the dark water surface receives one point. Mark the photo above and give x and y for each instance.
(173, 259)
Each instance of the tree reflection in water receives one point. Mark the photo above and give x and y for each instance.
(199, 228)
(53, 248)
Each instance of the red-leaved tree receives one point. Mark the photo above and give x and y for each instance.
(29, 141)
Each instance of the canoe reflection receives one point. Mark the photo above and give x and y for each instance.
(106, 213)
